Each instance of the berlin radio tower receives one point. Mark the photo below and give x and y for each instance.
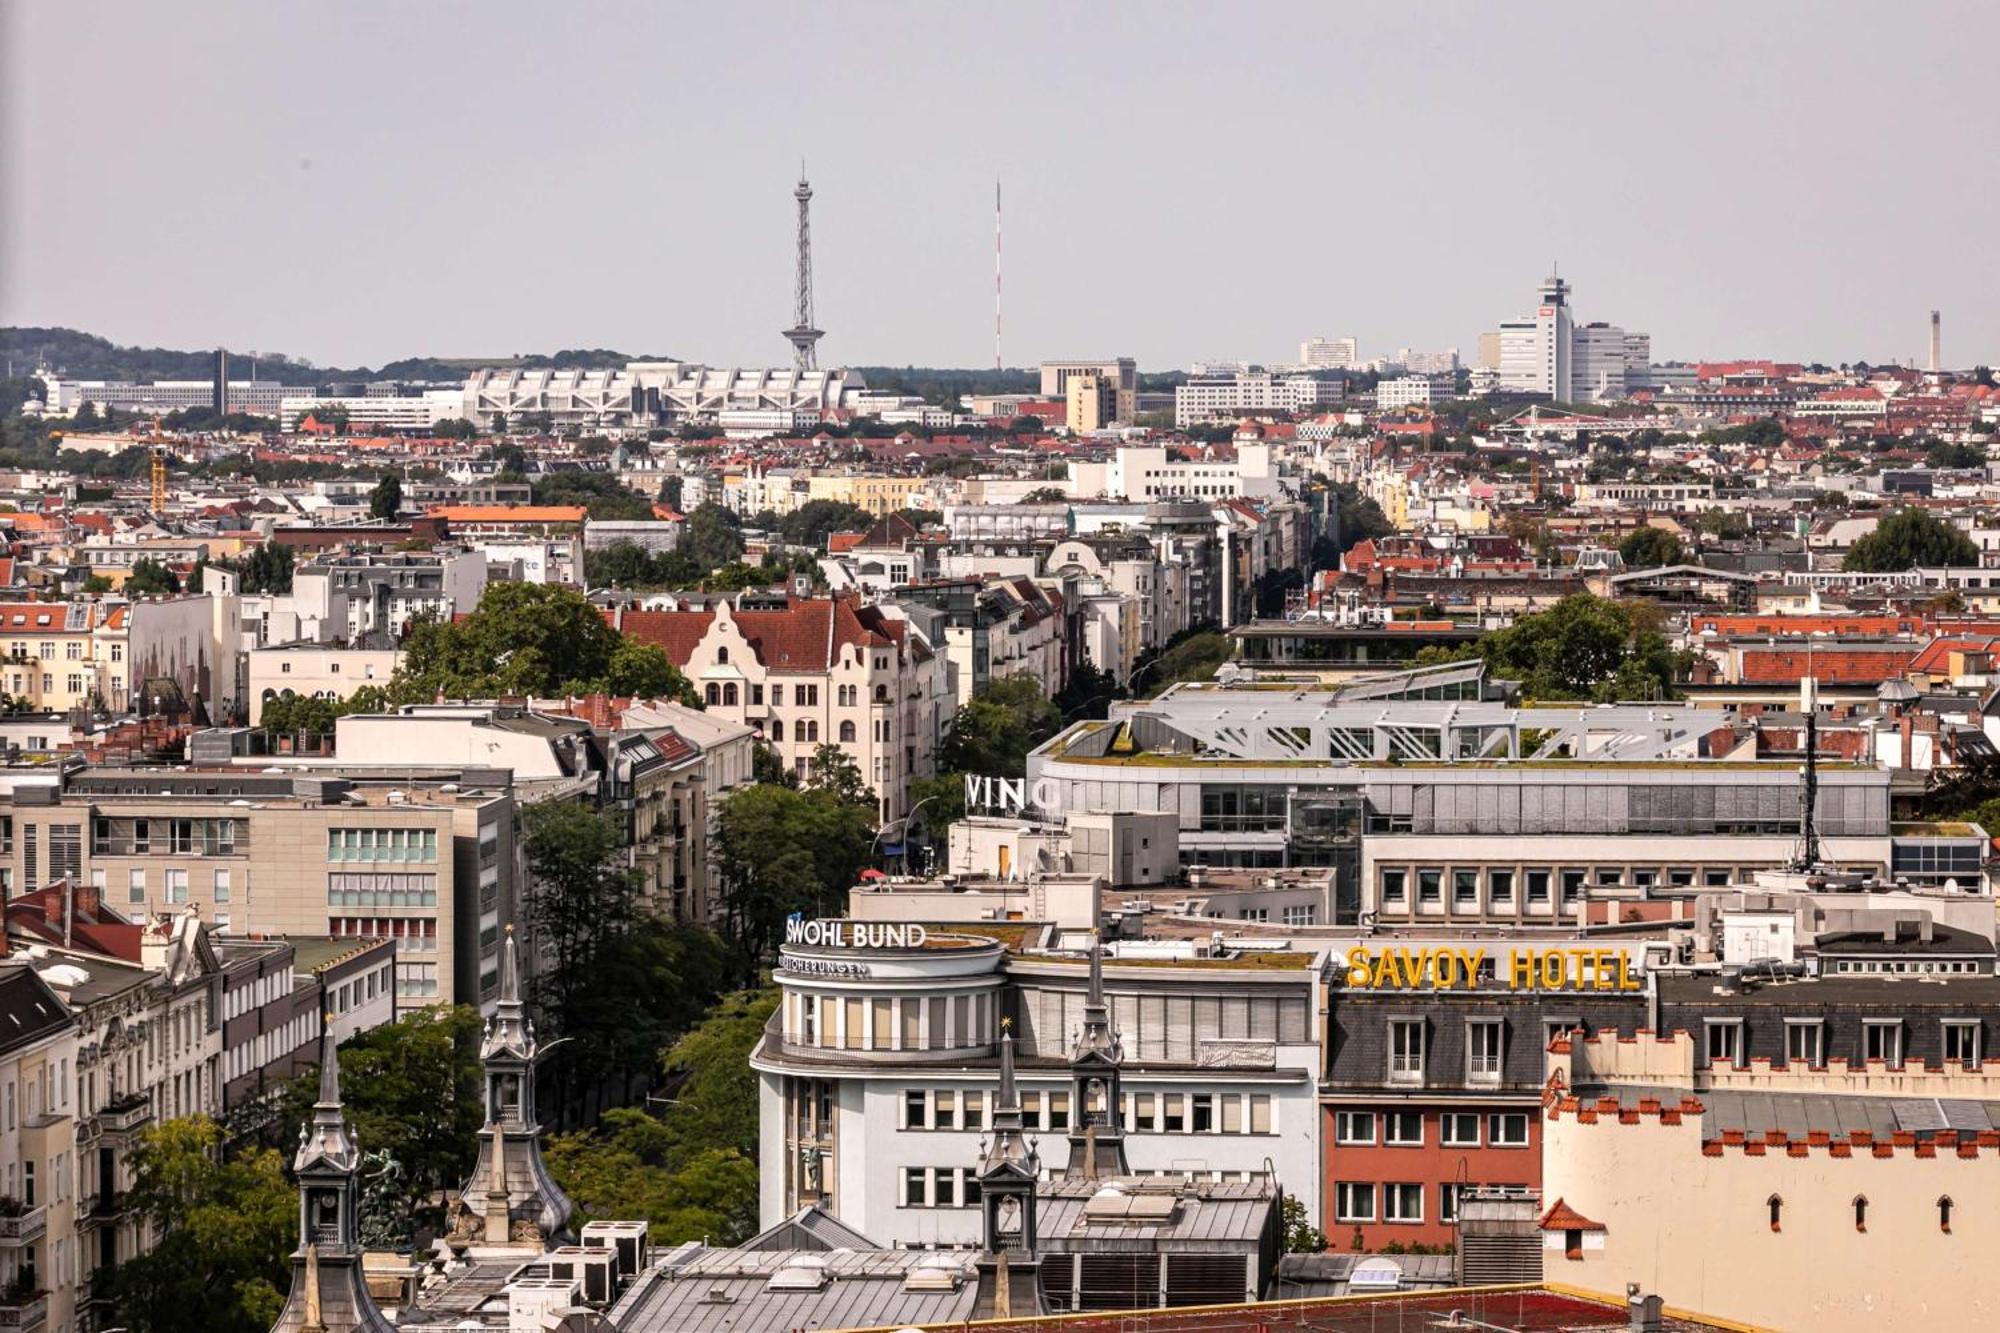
(802, 335)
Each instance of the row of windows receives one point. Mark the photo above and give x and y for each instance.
(1405, 1129)
(883, 1023)
(1946, 1208)
(173, 837)
(1485, 1048)
(174, 884)
(381, 844)
(383, 890)
(1474, 890)
(1399, 1201)
(1141, 1112)
(412, 934)
(1882, 1039)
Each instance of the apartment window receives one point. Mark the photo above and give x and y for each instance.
(1430, 886)
(1059, 1111)
(177, 886)
(807, 695)
(1142, 1111)
(1944, 1213)
(142, 835)
(1961, 1041)
(1406, 1050)
(1395, 887)
(1775, 1206)
(944, 1111)
(1725, 1041)
(1572, 885)
(1173, 1112)
(1482, 1050)
(221, 886)
(1260, 1113)
(913, 1187)
(915, 1103)
(1860, 1212)
(1031, 1110)
(1805, 1042)
(1355, 1127)
(135, 886)
(1203, 1117)
(1459, 1129)
(1465, 890)
(1402, 1203)
(1354, 1201)
(1882, 1039)
(1448, 1193)
(944, 1187)
(1538, 885)
(1500, 888)
(1508, 1130)
(1403, 1129)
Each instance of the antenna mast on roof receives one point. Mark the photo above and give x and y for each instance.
(996, 275)
(1808, 854)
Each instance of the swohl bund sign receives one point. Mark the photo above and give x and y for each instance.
(854, 934)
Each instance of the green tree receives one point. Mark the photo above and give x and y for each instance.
(602, 494)
(150, 578)
(1194, 656)
(1583, 647)
(993, 733)
(290, 714)
(713, 536)
(623, 1170)
(1650, 548)
(226, 1226)
(642, 671)
(814, 521)
(833, 771)
(1357, 517)
(581, 895)
(1950, 454)
(781, 851)
(1046, 495)
(524, 638)
(412, 1090)
(97, 583)
(1907, 539)
(715, 1089)
(1301, 1237)
(386, 500)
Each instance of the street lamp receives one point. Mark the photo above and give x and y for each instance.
(904, 820)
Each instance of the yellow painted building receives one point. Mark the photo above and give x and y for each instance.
(60, 655)
(875, 494)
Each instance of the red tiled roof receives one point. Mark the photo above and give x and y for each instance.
(1562, 1217)
(1832, 666)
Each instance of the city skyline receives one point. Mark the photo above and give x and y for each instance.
(600, 197)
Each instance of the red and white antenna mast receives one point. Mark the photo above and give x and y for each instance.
(996, 275)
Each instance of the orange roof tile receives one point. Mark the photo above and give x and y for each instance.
(1562, 1217)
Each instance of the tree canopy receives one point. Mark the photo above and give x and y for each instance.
(994, 731)
(783, 850)
(1583, 647)
(713, 536)
(533, 639)
(386, 500)
(815, 520)
(226, 1225)
(150, 578)
(1650, 548)
(602, 494)
(1907, 539)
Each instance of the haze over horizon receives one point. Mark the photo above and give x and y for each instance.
(369, 182)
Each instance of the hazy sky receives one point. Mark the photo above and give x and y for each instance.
(355, 182)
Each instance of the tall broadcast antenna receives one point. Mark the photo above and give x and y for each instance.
(802, 335)
(996, 275)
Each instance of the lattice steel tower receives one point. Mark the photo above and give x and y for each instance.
(802, 335)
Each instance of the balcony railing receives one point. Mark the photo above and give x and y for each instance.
(126, 1114)
(24, 1228)
(24, 1312)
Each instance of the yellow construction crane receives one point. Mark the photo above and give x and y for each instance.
(159, 471)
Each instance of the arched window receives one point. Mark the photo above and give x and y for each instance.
(722, 656)
(1861, 1212)
(1777, 1207)
(847, 696)
(1944, 1213)
(729, 695)
(777, 728)
(812, 731)
(881, 694)
(714, 693)
(847, 733)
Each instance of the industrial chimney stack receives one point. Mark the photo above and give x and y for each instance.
(1937, 343)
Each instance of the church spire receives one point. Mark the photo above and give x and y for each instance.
(329, 1290)
(510, 1189)
(1096, 1139)
(1009, 1169)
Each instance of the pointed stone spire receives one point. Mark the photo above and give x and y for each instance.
(327, 1145)
(1008, 1147)
(498, 1228)
(1097, 1035)
(1096, 1138)
(508, 1032)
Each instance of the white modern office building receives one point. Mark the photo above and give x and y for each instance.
(658, 393)
(1221, 397)
(1549, 353)
(1329, 353)
(880, 1069)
